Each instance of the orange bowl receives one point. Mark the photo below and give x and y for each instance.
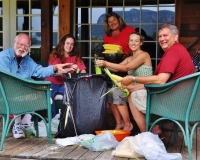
(119, 134)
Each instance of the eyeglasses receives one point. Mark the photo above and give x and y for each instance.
(24, 45)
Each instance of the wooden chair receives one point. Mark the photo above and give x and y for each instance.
(23, 96)
(177, 101)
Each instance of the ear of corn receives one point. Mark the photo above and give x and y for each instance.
(112, 45)
(112, 48)
(115, 79)
(112, 51)
(78, 70)
(97, 68)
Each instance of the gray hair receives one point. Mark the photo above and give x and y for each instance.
(17, 37)
(172, 28)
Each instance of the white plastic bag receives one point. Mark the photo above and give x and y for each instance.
(124, 149)
(150, 145)
(100, 142)
(54, 123)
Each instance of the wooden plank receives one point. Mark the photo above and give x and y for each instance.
(77, 153)
(105, 155)
(198, 143)
(178, 14)
(23, 147)
(34, 149)
(62, 153)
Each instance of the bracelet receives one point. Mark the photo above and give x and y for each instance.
(134, 80)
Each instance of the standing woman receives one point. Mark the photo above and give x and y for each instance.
(117, 32)
(139, 64)
(64, 52)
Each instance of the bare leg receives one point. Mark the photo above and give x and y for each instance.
(123, 110)
(138, 116)
(118, 118)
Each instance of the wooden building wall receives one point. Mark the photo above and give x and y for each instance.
(189, 22)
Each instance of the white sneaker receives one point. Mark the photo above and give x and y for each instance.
(27, 125)
(18, 131)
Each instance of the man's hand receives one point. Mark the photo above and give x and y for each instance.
(62, 68)
(126, 80)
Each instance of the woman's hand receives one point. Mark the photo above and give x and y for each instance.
(126, 80)
(101, 63)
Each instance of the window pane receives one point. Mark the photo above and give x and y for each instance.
(1, 24)
(36, 23)
(35, 7)
(55, 6)
(98, 15)
(149, 14)
(83, 15)
(119, 11)
(36, 39)
(166, 15)
(55, 22)
(115, 3)
(22, 23)
(149, 2)
(35, 54)
(132, 15)
(82, 32)
(132, 3)
(97, 48)
(98, 32)
(1, 10)
(98, 2)
(84, 48)
(150, 31)
(22, 7)
(1, 39)
(55, 38)
(81, 3)
(166, 2)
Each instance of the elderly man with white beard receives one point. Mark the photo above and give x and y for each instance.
(16, 60)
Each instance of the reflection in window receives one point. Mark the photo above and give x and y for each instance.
(35, 23)
(35, 7)
(1, 10)
(22, 23)
(98, 15)
(22, 7)
(35, 38)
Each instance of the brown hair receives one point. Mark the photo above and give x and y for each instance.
(58, 51)
(122, 24)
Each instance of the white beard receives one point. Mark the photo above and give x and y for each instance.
(24, 54)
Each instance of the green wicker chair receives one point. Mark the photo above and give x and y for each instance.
(177, 101)
(22, 96)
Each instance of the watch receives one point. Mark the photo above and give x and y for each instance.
(134, 80)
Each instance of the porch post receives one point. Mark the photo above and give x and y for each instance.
(46, 28)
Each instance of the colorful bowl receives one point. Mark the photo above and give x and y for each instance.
(119, 134)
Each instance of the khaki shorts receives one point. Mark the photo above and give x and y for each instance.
(139, 99)
(116, 97)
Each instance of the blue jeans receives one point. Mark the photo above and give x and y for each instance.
(56, 89)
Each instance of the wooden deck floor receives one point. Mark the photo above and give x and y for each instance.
(34, 148)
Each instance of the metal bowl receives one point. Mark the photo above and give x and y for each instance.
(113, 57)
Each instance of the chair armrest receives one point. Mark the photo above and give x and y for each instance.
(158, 88)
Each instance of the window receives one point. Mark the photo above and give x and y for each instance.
(144, 15)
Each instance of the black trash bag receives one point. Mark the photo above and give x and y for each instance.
(89, 110)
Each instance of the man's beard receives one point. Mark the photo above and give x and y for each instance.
(22, 50)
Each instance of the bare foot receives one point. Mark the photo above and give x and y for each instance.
(156, 130)
(119, 126)
(128, 127)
